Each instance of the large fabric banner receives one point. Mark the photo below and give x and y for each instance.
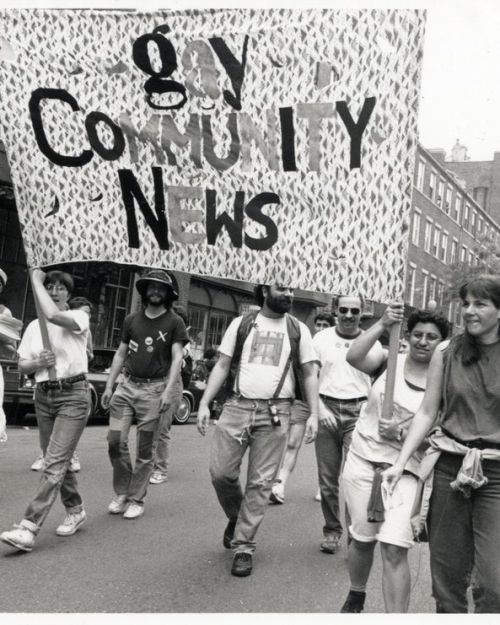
(262, 145)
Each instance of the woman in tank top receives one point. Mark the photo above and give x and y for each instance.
(375, 445)
(464, 513)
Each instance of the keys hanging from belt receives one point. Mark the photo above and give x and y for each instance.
(273, 411)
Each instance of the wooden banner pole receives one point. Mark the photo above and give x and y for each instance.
(391, 371)
(43, 327)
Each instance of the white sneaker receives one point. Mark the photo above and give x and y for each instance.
(74, 464)
(20, 538)
(133, 511)
(158, 477)
(72, 523)
(277, 493)
(39, 464)
(118, 504)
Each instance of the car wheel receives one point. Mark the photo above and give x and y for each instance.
(184, 412)
(94, 401)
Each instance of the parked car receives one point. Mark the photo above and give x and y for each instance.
(19, 390)
(17, 398)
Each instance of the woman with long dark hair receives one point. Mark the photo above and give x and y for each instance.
(464, 511)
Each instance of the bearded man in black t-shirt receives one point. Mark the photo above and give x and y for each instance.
(150, 354)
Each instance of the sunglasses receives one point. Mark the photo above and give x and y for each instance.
(343, 310)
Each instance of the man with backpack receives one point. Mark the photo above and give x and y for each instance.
(266, 360)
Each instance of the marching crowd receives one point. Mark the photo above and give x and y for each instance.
(428, 471)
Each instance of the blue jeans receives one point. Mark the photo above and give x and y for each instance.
(162, 443)
(61, 416)
(142, 401)
(465, 533)
(332, 445)
(246, 424)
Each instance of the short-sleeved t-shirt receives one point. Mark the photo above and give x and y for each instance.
(337, 378)
(150, 343)
(264, 355)
(69, 346)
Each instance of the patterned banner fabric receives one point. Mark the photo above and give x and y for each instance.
(262, 145)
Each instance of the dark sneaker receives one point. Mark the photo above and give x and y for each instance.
(354, 603)
(242, 564)
(330, 543)
(229, 533)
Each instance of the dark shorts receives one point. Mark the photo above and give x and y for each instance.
(300, 413)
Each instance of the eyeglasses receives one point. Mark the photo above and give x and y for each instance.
(55, 287)
(343, 310)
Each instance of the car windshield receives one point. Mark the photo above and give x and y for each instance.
(101, 361)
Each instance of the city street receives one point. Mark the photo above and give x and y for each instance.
(172, 559)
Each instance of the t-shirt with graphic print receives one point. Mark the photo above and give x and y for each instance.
(150, 343)
(264, 356)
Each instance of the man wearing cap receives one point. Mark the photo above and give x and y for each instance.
(61, 405)
(342, 391)
(150, 354)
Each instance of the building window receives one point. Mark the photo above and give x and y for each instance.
(447, 204)
(113, 307)
(480, 194)
(440, 293)
(197, 320)
(420, 175)
(415, 232)
(425, 287)
(436, 241)
(458, 207)
(217, 325)
(471, 258)
(479, 224)
(458, 314)
(454, 251)
(450, 312)
(466, 216)
(463, 254)
(444, 246)
(432, 185)
(410, 284)
(432, 288)
(473, 223)
(440, 194)
(428, 234)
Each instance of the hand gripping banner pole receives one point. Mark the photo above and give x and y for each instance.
(43, 327)
(391, 371)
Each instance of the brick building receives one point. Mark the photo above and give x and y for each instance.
(446, 223)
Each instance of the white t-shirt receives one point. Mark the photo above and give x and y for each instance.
(264, 355)
(337, 378)
(69, 346)
(366, 440)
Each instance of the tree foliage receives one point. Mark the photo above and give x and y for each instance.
(486, 249)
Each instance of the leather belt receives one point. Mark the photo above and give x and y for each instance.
(62, 384)
(344, 401)
(136, 380)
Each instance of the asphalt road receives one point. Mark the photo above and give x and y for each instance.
(172, 559)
